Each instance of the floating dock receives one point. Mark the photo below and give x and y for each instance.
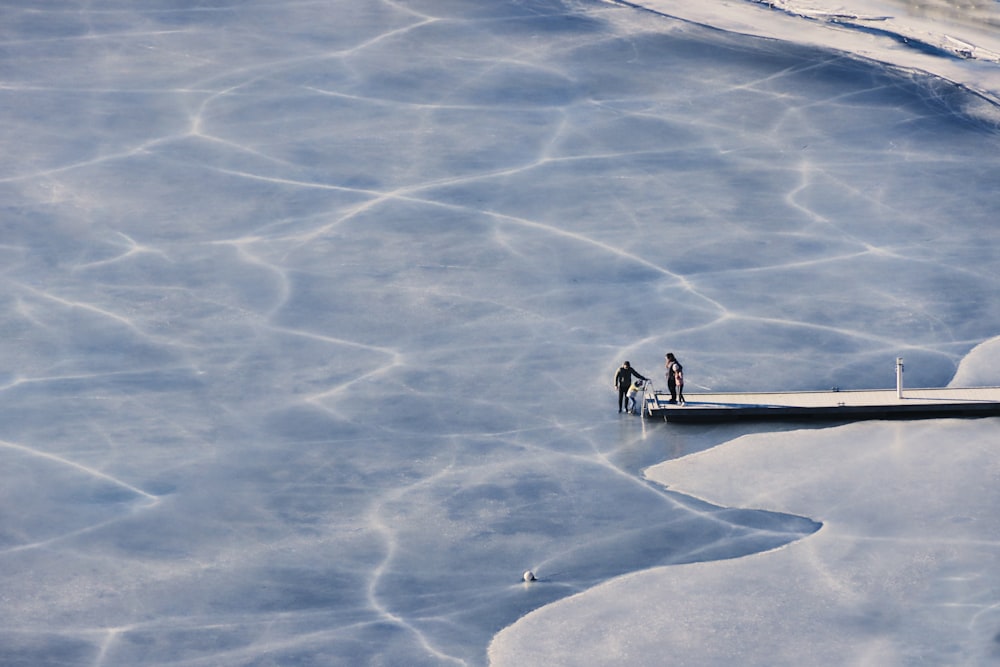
(831, 405)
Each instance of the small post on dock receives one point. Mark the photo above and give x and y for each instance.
(899, 377)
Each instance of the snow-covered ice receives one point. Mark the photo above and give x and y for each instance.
(312, 309)
(903, 571)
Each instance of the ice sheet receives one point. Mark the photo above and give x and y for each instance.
(312, 309)
(902, 572)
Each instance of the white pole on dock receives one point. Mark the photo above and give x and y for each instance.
(899, 377)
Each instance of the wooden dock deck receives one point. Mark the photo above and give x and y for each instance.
(831, 405)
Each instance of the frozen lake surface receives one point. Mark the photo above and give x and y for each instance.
(312, 311)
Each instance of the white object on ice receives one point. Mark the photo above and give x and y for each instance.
(529, 576)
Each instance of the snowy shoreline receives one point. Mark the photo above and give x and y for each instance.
(961, 51)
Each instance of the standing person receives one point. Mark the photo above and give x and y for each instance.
(675, 378)
(623, 381)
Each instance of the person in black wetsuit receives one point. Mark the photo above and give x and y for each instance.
(623, 380)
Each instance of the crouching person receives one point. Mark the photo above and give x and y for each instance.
(635, 390)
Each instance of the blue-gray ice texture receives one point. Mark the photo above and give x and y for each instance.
(311, 309)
